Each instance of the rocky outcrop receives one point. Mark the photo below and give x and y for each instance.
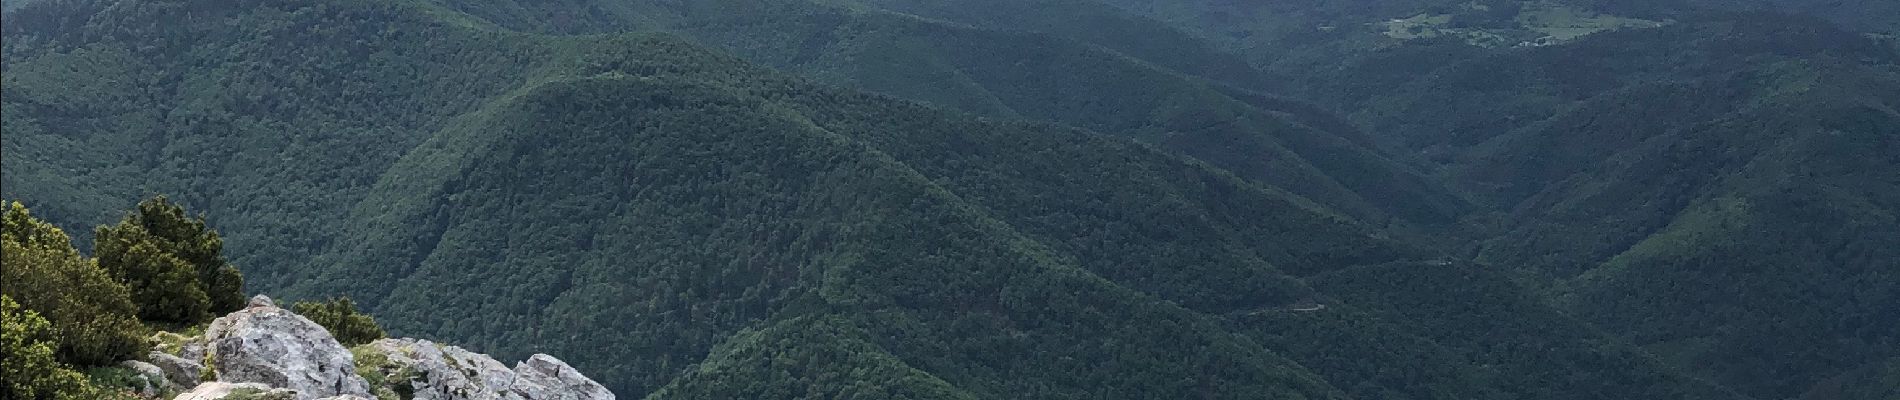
(260, 301)
(266, 352)
(181, 372)
(151, 379)
(273, 346)
(432, 371)
(248, 391)
(543, 377)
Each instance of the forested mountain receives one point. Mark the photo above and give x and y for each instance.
(1012, 259)
(1029, 199)
(1660, 175)
(1866, 15)
(1719, 190)
(1150, 82)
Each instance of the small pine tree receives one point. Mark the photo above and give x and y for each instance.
(92, 316)
(340, 316)
(165, 287)
(173, 263)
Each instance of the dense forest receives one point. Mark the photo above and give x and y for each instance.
(1087, 199)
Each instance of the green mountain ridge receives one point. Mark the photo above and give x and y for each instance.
(1006, 72)
(1746, 160)
(1035, 206)
(842, 195)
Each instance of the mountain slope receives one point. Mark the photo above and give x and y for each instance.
(1863, 15)
(1821, 190)
(645, 205)
(846, 210)
(800, 354)
(1176, 94)
(782, 215)
(1718, 191)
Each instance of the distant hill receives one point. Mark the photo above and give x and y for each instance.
(1863, 15)
(1133, 77)
(1707, 179)
(682, 223)
(1667, 181)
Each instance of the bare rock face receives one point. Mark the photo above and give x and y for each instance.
(248, 391)
(260, 301)
(431, 371)
(180, 371)
(544, 377)
(275, 347)
(268, 353)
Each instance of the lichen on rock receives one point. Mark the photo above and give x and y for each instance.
(273, 346)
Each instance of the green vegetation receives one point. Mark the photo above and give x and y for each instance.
(173, 264)
(1879, 380)
(169, 343)
(340, 317)
(28, 360)
(1143, 81)
(32, 372)
(95, 320)
(1713, 190)
(210, 373)
(375, 368)
(1045, 199)
(808, 357)
(91, 314)
(255, 394)
(1470, 309)
(121, 383)
(1722, 204)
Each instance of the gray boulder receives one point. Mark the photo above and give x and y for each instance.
(181, 372)
(248, 391)
(194, 350)
(346, 397)
(273, 346)
(543, 377)
(260, 301)
(437, 372)
(433, 371)
(151, 378)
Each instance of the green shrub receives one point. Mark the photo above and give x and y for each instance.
(339, 315)
(91, 316)
(26, 358)
(108, 382)
(210, 373)
(173, 264)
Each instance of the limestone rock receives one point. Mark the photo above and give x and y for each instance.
(194, 350)
(543, 377)
(260, 301)
(152, 379)
(221, 390)
(436, 372)
(278, 348)
(181, 372)
(264, 350)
